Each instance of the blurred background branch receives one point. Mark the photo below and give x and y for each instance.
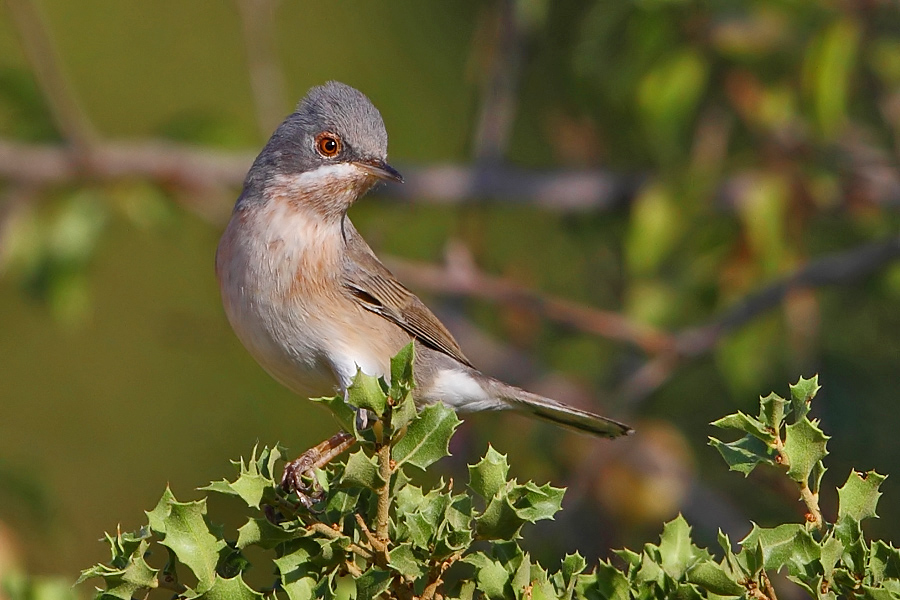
(266, 75)
(70, 119)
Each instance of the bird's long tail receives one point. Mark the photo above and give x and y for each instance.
(558, 413)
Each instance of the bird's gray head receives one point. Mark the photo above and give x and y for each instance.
(335, 141)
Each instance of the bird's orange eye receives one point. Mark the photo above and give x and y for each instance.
(328, 145)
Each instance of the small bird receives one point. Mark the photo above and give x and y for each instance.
(308, 297)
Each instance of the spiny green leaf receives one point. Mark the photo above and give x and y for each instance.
(858, 497)
(856, 551)
(499, 521)
(521, 577)
(361, 471)
(402, 372)
(815, 478)
(366, 392)
(868, 592)
(263, 533)
(884, 562)
(186, 532)
(489, 476)
(252, 484)
(230, 589)
(405, 561)
(299, 575)
(133, 576)
(535, 503)
(787, 545)
(831, 552)
(650, 571)
(771, 411)
(747, 424)
(714, 578)
(342, 411)
(403, 412)
(744, 454)
(677, 549)
(629, 556)
(802, 393)
(490, 574)
(427, 439)
(572, 566)
(341, 502)
(607, 580)
(372, 583)
(736, 566)
(804, 446)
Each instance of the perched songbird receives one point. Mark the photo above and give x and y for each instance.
(308, 297)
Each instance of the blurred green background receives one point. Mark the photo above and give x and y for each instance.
(749, 139)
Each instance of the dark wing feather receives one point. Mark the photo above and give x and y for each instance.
(376, 289)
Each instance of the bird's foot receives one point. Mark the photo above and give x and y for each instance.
(303, 467)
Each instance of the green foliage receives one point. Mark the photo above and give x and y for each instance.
(373, 533)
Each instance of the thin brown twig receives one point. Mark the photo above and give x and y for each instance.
(809, 498)
(71, 120)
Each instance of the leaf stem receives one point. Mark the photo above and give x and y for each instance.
(812, 503)
(810, 498)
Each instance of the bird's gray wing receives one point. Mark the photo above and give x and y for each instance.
(376, 289)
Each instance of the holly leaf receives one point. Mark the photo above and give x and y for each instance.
(361, 471)
(402, 372)
(771, 411)
(405, 561)
(427, 439)
(230, 589)
(787, 545)
(343, 412)
(185, 531)
(802, 394)
(714, 578)
(804, 446)
(499, 521)
(129, 572)
(535, 503)
(744, 454)
(884, 562)
(747, 424)
(491, 576)
(263, 533)
(489, 476)
(366, 392)
(299, 575)
(858, 497)
(372, 583)
(676, 548)
(253, 482)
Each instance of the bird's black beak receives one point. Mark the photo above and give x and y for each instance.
(381, 170)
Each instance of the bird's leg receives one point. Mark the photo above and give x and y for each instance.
(314, 458)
